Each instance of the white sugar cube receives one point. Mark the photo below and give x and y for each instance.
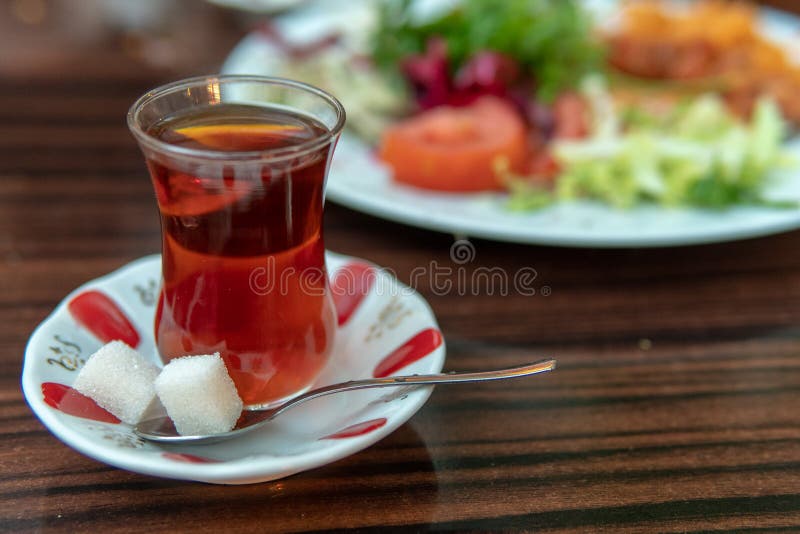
(118, 379)
(199, 395)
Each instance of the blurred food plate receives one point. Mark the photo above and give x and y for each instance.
(360, 181)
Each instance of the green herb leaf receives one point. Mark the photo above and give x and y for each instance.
(550, 39)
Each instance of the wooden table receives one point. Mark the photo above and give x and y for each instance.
(676, 405)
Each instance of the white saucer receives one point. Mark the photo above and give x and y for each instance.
(317, 433)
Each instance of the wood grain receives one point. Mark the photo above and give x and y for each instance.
(675, 408)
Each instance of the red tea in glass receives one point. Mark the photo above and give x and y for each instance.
(240, 190)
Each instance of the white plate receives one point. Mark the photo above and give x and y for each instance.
(311, 435)
(357, 180)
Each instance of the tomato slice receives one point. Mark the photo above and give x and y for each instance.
(456, 149)
(543, 167)
(570, 112)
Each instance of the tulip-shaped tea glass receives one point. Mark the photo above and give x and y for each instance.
(239, 165)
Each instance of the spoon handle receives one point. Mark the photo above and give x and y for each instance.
(158, 427)
(416, 380)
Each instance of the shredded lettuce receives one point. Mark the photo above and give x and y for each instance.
(700, 156)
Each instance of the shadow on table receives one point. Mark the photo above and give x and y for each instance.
(392, 482)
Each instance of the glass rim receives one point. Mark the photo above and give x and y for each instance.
(221, 155)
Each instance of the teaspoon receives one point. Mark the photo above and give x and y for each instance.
(157, 426)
